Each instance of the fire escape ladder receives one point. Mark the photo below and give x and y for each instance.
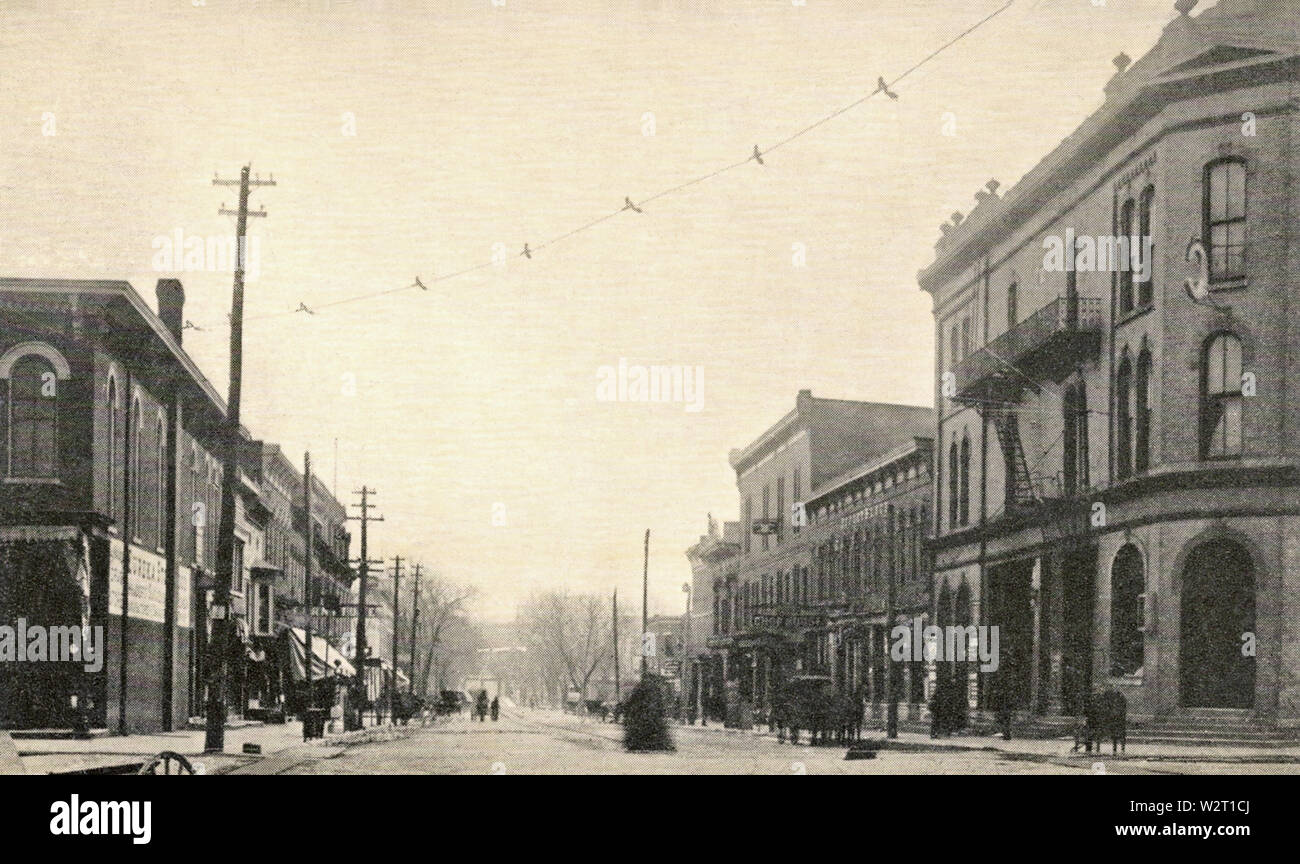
(1019, 484)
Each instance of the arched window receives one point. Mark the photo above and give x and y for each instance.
(1127, 585)
(1142, 414)
(954, 357)
(1124, 418)
(1126, 272)
(1221, 398)
(112, 447)
(1146, 247)
(964, 493)
(1224, 217)
(33, 414)
(1012, 300)
(954, 479)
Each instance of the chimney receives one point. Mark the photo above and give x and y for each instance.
(171, 305)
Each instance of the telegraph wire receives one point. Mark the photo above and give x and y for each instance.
(756, 156)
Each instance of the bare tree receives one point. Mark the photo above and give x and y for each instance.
(567, 633)
(442, 612)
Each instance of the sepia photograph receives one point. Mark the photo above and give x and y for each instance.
(871, 388)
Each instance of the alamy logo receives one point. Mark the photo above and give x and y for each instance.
(40, 644)
(179, 253)
(950, 643)
(74, 816)
(635, 383)
(1102, 254)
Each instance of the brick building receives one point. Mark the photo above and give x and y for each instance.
(788, 599)
(1118, 461)
(110, 464)
(107, 452)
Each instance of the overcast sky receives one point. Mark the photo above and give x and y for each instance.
(476, 125)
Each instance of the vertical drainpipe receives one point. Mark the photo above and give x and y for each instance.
(1109, 337)
(984, 473)
(170, 495)
(128, 505)
(936, 458)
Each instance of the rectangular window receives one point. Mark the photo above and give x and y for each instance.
(1225, 218)
(264, 608)
(237, 567)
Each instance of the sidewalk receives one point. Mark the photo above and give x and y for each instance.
(57, 756)
(1058, 749)
(1055, 750)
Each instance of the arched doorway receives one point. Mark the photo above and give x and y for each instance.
(1218, 607)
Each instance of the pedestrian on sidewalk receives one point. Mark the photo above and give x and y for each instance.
(496, 708)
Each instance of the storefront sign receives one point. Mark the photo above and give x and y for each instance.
(788, 622)
(148, 583)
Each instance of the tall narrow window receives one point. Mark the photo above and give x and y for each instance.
(767, 503)
(112, 448)
(748, 527)
(133, 482)
(954, 351)
(1012, 299)
(1125, 271)
(1123, 418)
(1224, 202)
(780, 509)
(33, 418)
(1146, 249)
(964, 515)
(1074, 417)
(1142, 413)
(954, 478)
(1127, 584)
(1221, 398)
(965, 337)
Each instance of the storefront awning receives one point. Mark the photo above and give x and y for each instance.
(324, 656)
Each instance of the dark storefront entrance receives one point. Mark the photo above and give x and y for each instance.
(1218, 607)
(1078, 585)
(1010, 610)
(41, 570)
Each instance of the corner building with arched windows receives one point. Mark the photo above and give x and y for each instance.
(1117, 481)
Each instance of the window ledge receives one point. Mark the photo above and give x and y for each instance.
(1126, 680)
(1133, 314)
(36, 481)
(1230, 283)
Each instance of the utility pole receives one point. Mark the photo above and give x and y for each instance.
(397, 577)
(618, 691)
(415, 622)
(364, 573)
(645, 601)
(308, 658)
(215, 734)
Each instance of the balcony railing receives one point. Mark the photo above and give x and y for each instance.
(1043, 347)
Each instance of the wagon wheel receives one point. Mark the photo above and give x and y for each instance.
(170, 763)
